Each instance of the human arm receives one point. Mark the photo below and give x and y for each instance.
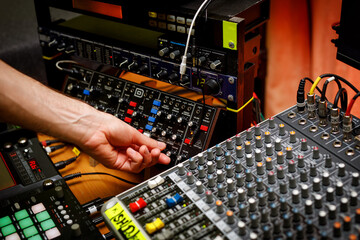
(30, 104)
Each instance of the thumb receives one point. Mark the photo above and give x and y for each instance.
(141, 139)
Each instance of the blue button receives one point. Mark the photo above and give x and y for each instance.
(86, 92)
(151, 119)
(156, 103)
(148, 127)
(154, 111)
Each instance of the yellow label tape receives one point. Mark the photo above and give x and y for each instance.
(230, 35)
(123, 223)
(76, 151)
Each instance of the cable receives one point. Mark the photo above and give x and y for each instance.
(241, 108)
(184, 57)
(330, 79)
(53, 148)
(63, 164)
(348, 111)
(70, 71)
(49, 142)
(331, 75)
(76, 175)
(95, 205)
(343, 93)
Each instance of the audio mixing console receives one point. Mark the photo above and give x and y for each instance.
(184, 125)
(286, 178)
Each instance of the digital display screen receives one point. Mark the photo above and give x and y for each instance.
(6, 179)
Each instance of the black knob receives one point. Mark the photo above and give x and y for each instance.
(201, 61)
(215, 64)
(163, 52)
(174, 77)
(211, 87)
(59, 192)
(22, 142)
(143, 68)
(133, 66)
(76, 230)
(175, 54)
(48, 183)
(185, 79)
(162, 74)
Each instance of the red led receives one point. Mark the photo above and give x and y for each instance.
(138, 205)
(132, 104)
(187, 141)
(129, 111)
(204, 128)
(127, 119)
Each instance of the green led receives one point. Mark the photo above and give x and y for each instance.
(47, 224)
(9, 229)
(5, 221)
(204, 226)
(21, 214)
(25, 223)
(44, 215)
(36, 237)
(30, 231)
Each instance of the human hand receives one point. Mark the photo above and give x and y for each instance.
(118, 145)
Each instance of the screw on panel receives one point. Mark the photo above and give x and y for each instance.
(231, 80)
(231, 45)
(230, 97)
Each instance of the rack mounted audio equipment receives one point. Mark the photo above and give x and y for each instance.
(287, 178)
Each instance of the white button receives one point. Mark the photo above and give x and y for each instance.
(63, 212)
(57, 203)
(180, 20)
(162, 25)
(69, 222)
(188, 22)
(66, 217)
(171, 27)
(52, 233)
(171, 18)
(33, 199)
(13, 236)
(17, 206)
(181, 29)
(38, 208)
(61, 207)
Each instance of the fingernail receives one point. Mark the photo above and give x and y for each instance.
(161, 145)
(146, 150)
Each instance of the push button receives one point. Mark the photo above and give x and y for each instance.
(30, 231)
(27, 222)
(38, 208)
(21, 214)
(47, 224)
(52, 233)
(156, 103)
(13, 236)
(9, 229)
(148, 127)
(154, 111)
(42, 216)
(187, 141)
(128, 120)
(5, 221)
(36, 237)
(152, 119)
(132, 104)
(204, 128)
(130, 111)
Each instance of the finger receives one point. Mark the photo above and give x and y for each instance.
(163, 159)
(144, 151)
(136, 160)
(141, 139)
(155, 153)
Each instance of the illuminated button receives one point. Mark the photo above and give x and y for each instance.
(148, 127)
(69, 222)
(130, 111)
(13, 236)
(187, 141)
(47, 224)
(30, 231)
(36, 237)
(66, 217)
(156, 103)
(171, 202)
(5, 221)
(63, 212)
(38, 208)
(141, 130)
(26, 223)
(153, 14)
(180, 20)
(171, 18)
(171, 27)
(52, 233)
(151, 119)
(154, 111)
(61, 207)
(9, 229)
(86, 92)
(154, 226)
(132, 104)
(180, 29)
(21, 214)
(43, 216)
(138, 205)
(127, 119)
(152, 23)
(204, 128)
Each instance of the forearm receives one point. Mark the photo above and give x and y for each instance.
(30, 104)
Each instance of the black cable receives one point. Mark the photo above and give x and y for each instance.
(341, 79)
(325, 87)
(342, 93)
(77, 175)
(63, 164)
(300, 97)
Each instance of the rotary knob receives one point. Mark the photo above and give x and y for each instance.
(175, 54)
(163, 52)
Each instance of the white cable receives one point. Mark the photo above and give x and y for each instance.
(63, 61)
(184, 58)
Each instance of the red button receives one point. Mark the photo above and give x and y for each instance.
(133, 104)
(141, 130)
(129, 111)
(127, 119)
(204, 128)
(187, 141)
